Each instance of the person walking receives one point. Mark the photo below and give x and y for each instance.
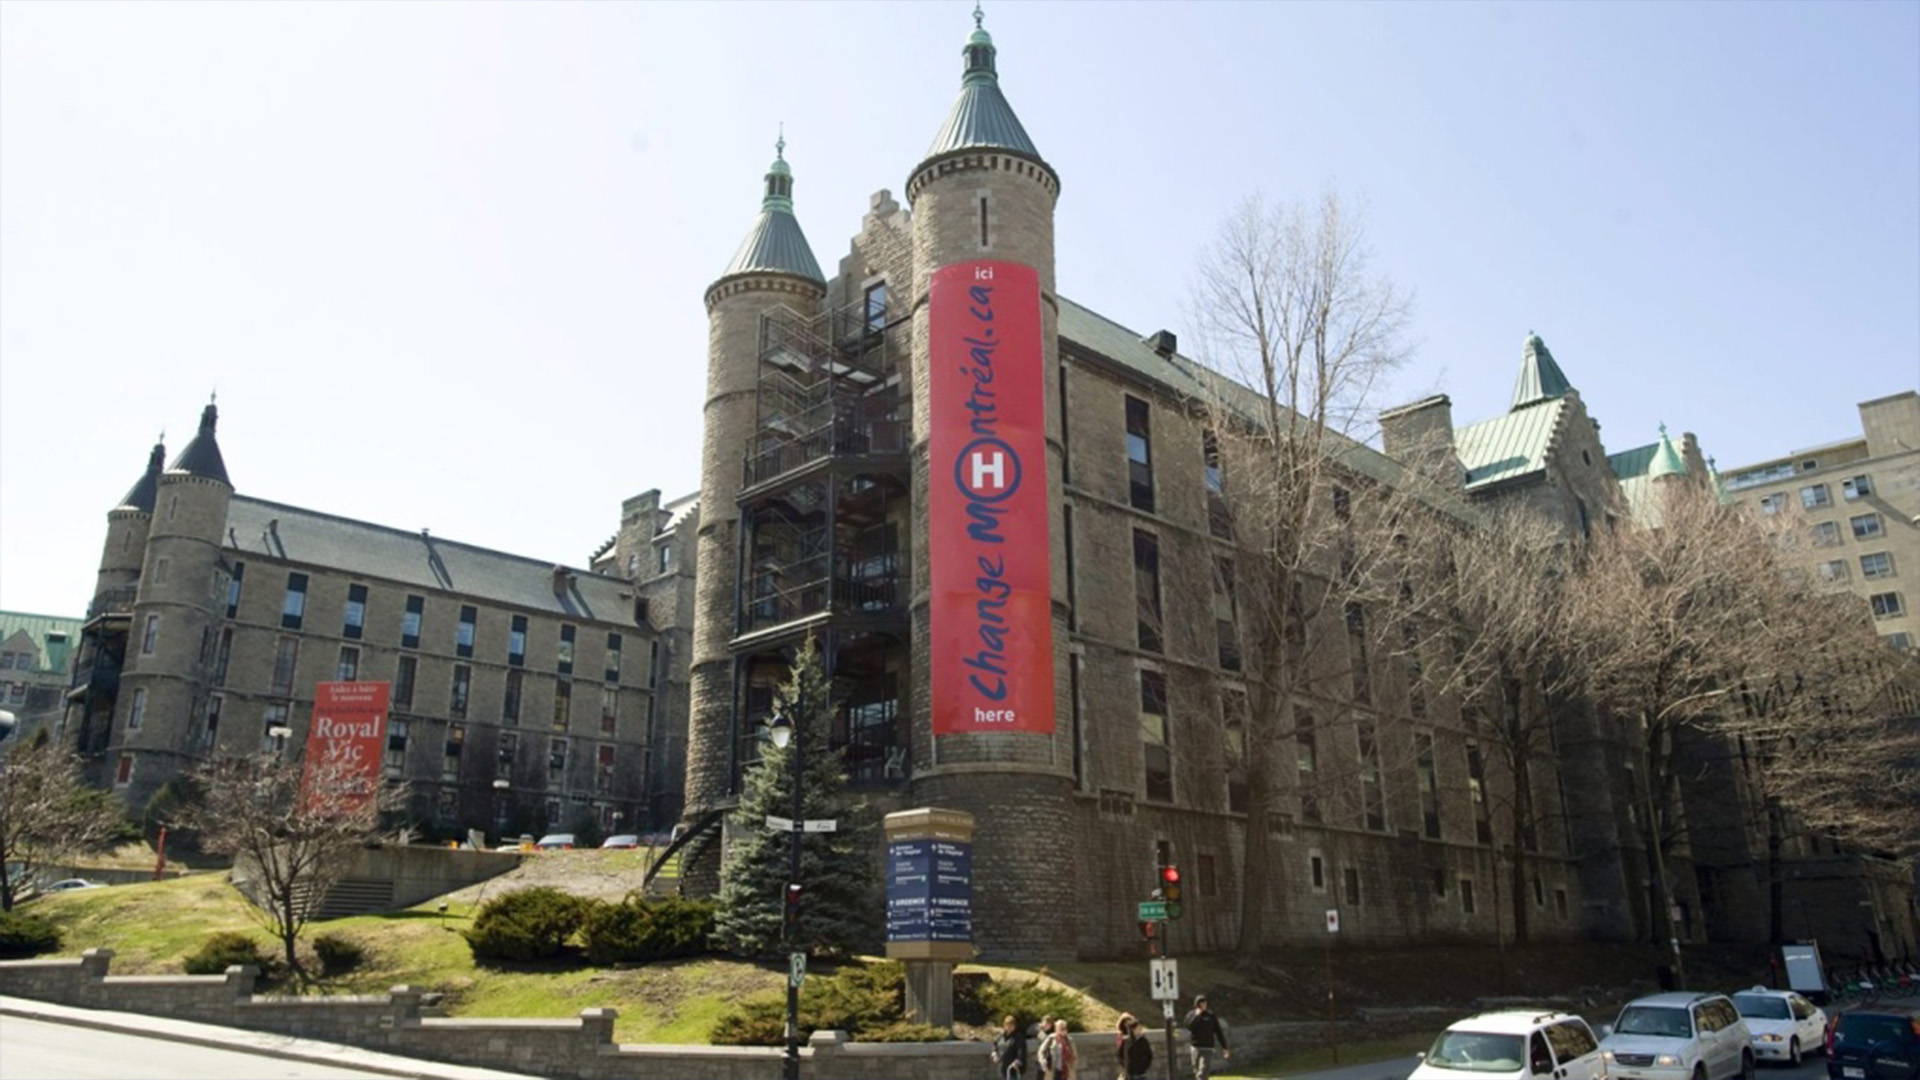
(1131, 1048)
(1043, 1047)
(1057, 1055)
(1010, 1050)
(1209, 1037)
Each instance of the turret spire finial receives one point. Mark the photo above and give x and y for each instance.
(1663, 429)
(978, 16)
(780, 143)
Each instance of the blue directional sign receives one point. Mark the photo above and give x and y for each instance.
(929, 891)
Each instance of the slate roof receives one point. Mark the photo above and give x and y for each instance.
(145, 490)
(1509, 446)
(416, 559)
(52, 635)
(202, 456)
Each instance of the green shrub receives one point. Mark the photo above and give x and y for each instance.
(1028, 1001)
(338, 954)
(861, 1000)
(636, 931)
(225, 949)
(531, 924)
(26, 935)
(906, 1031)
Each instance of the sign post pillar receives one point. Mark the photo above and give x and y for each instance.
(930, 904)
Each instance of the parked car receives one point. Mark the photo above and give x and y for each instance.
(1784, 1026)
(1512, 1043)
(555, 841)
(1874, 1042)
(71, 884)
(624, 840)
(1680, 1035)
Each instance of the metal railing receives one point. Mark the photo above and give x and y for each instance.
(843, 435)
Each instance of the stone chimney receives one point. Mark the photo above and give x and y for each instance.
(1420, 436)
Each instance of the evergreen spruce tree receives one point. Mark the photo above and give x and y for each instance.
(840, 903)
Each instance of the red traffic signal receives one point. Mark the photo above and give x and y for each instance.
(1170, 890)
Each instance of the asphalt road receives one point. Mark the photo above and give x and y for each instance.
(38, 1050)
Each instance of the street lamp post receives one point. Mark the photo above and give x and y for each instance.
(785, 729)
(279, 733)
(500, 786)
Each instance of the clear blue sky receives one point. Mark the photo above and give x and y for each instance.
(444, 262)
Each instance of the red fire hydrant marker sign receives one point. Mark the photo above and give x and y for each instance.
(992, 622)
(341, 768)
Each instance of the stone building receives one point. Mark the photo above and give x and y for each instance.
(822, 485)
(522, 692)
(34, 655)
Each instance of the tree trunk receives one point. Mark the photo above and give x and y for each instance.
(1522, 776)
(1776, 889)
(1255, 859)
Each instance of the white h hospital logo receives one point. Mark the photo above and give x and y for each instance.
(984, 465)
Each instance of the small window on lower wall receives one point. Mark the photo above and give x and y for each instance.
(1466, 895)
(123, 775)
(1352, 878)
(1317, 867)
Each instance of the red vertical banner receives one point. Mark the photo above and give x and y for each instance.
(992, 617)
(341, 768)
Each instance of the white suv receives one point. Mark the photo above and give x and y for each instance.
(1523, 1043)
(1678, 1036)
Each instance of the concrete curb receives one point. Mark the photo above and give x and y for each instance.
(240, 1040)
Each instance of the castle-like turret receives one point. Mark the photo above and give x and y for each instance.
(176, 618)
(982, 203)
(774, 268)
(126, 546)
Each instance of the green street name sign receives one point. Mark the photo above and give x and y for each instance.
(1152, 909)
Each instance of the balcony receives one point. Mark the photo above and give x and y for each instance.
(114, 601)
(842, 436)
(776, 596)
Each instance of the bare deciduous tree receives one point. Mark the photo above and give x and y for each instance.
(47, 813)
(292, 832)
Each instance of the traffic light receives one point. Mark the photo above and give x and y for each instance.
(790, 916)
(1170, 889)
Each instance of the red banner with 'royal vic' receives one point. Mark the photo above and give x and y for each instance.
(340, 771)
(992, 624)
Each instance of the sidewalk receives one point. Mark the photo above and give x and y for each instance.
(1390, 1069)
(264, 1043)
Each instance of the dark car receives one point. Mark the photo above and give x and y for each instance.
(1874, 1044)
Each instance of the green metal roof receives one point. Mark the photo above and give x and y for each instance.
(1630, 468)
(776, 244)
(202, 456)
(1509, 446)
(981, 116)
(52, 636)
(1540, 378)
(1666, 460)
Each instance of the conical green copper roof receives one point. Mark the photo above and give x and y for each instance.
(141, 496)
(980, 116)
(1540, 378)
(1666, 459)
(776, 244)
(202, 456)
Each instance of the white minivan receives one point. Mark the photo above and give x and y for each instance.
(1514, 1044)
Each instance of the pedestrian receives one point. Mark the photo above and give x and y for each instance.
(1058, 1054)
(1010, 1050)
(1043, 1046)
(1134, 1053)
(1209, 1037)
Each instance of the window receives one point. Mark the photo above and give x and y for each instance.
(1351, 876)
(233, 589)
(1226, 617)
(1539, 893)
(395, 759)
(6, 659)
(450, 757)
(1429, 775)
(462, 689)
(508, 750)
(1466, 895)
(1477, 791)
(123, 773)
(349, 667)
(1342, 504)
(294, 606)
(1139, 455)
(983, 223)
(556, 761)
(273, 733)
(562, 704)
(1866, 526)
(1440, 883)
(1233, 723)
(510, 701)
(1154, 736)
(1826, 533)
(160, 568)
(1560, 902)
(410, 622)
(666, 557)
(1879, 564)
(286, 655)
(609, 710)
(1146, 589)
(1774, 503)
(1886, 605)
(1307, 759)
(446, 804)
(875, 307)
(1317, 871)
(210, 729)
(1855, 487)
(1833, 570)
(1416, 671)
(566, 650)
(1373, 800)
(613, 658)
(603, 769)
(653, 664)
(356, 614)
(463, 638)
(517, 640)
(151, 636)
(1901, 640)
(1357, 653)
(138, 714)
(403, 678)
(1814, 496)
(223, 657)
(1219, 514)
